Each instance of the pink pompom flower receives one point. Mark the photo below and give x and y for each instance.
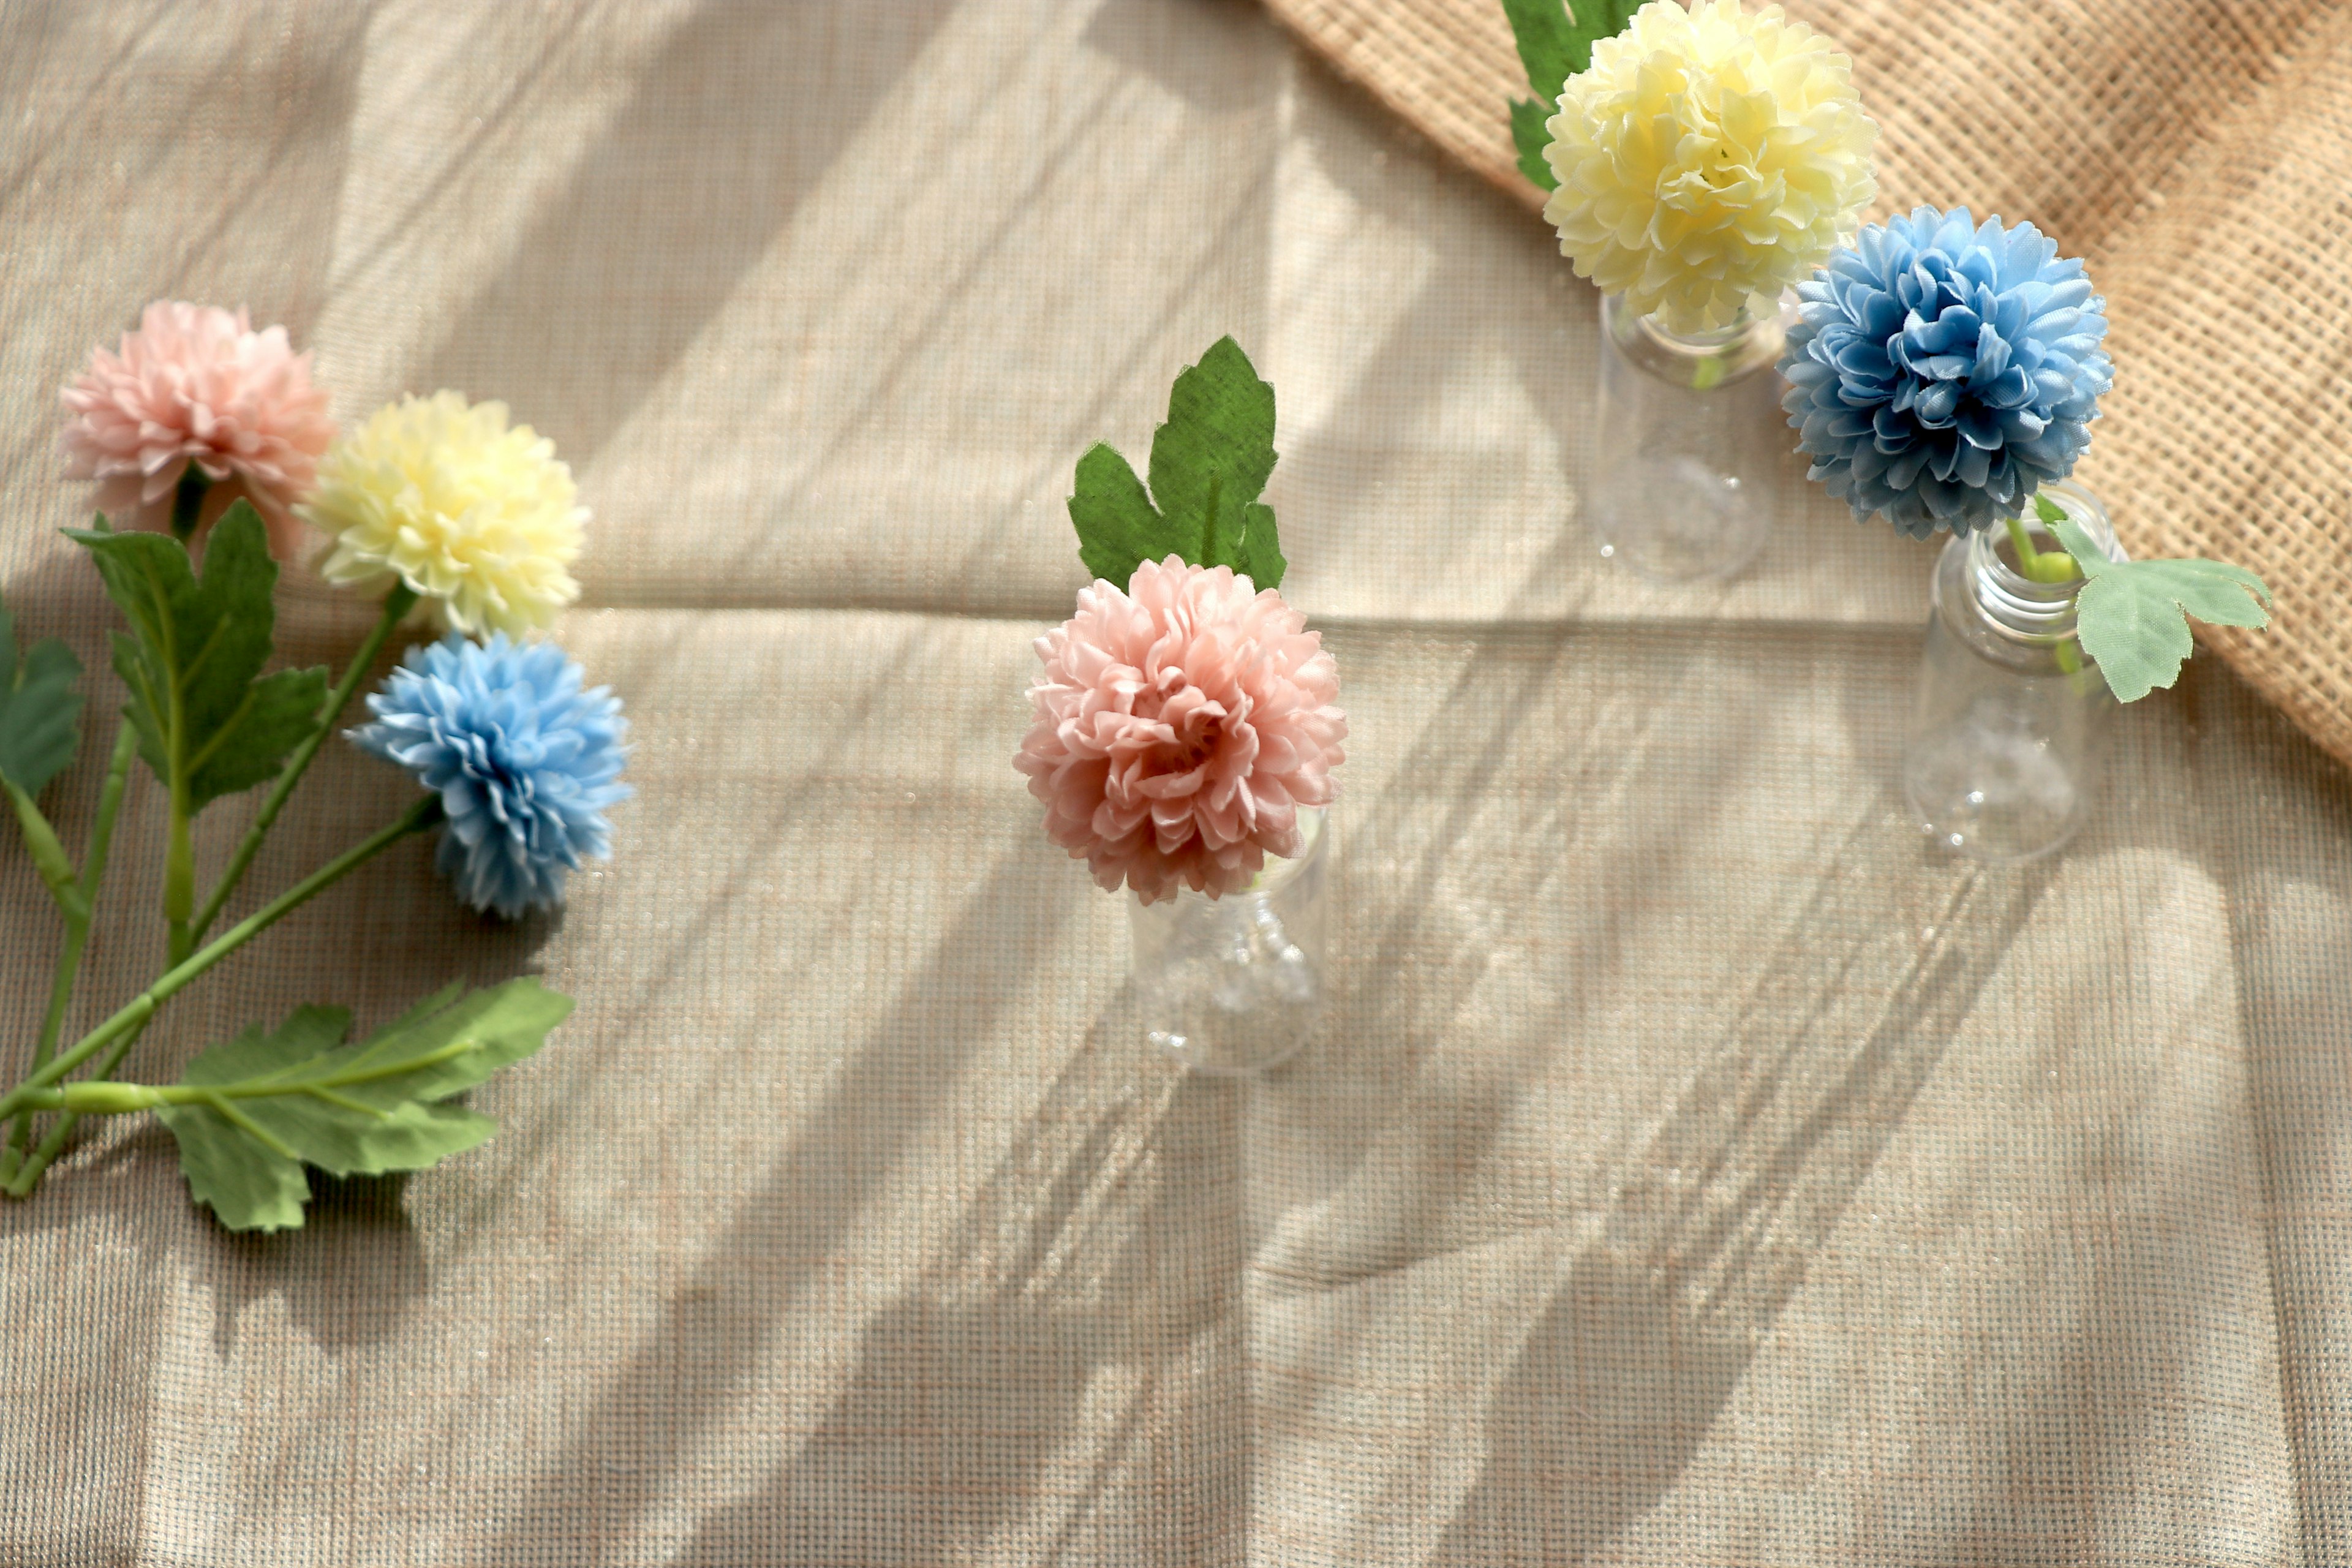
(1178, 727)
(196, 385)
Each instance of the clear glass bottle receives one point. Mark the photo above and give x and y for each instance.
(1690, 438)
(2002, 757)
(1233, 985)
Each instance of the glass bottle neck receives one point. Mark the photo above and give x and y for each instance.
(1699, 360)
(2019, 607)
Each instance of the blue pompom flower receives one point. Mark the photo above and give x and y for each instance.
(524, 762)
(1941, 372)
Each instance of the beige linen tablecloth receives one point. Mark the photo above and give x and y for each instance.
(1693, 1168)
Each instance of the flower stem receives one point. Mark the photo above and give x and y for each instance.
(135, 1014)
(48, 855)
(396, 605)
(93, 868)
(179, 876)
(2040, 566)
(179, 849)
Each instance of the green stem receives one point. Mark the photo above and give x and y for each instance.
(21, 1181)
(48, 855)
(179, 878)
(179, 852)
(93, 868)
(396, 605)
(135, 1014)
(92, 1097)
(2040, 566)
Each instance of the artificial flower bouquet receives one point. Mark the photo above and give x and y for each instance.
(1185, 728)
(215, 458)
(1942, 374)
(1698, 162)
(1707, 167)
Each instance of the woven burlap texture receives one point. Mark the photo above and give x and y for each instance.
(1692, 1170)
(2192, 150)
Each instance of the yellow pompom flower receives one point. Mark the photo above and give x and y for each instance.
(476, 517)
(1707, 159)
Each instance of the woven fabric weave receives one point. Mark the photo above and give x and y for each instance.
(2190, 150)
(1692, 1169)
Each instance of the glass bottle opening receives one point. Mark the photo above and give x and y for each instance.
(2019, 607)
(1701, 359)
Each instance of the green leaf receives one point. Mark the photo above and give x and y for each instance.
(1209, 462)
(2132, 614)
(1531, 133)
(208, 718)
(1262, 547)
(39, 708)
(1118, 528)
(251, 1112)
(1220, 427)
(1556, 43)
(1545, 36)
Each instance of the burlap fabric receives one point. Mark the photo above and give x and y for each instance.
(1693, 1169)
(2188, 149)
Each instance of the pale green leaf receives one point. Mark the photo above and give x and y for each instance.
(248, 1185)
(194, 657)
(2132, 614)
(249, 1113)
(39, 708)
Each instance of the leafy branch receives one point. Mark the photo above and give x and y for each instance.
(124, 1024)
(209, 723)
(251, 1112)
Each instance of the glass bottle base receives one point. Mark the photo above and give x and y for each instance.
(1676, 520)
(1990, 788)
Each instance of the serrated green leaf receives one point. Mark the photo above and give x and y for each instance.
(1545, 36)
(249, 1185)
(2132, 614)
(1209, 462)
(39, 708)
(192, 661)
(1262, 547)
(279, 709)
(1118, 528)
(250, 1112)
(1220, 432)
(1531, 133)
